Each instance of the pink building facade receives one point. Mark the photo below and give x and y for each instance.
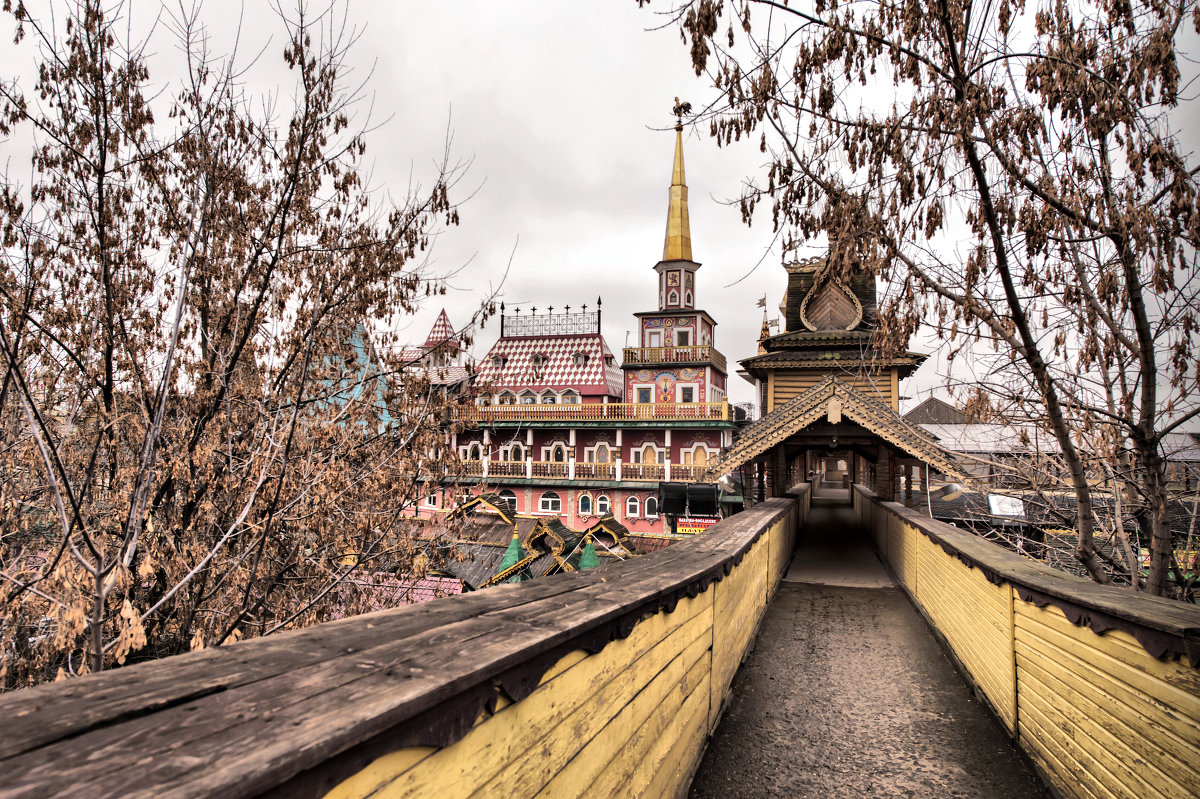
(559, 428)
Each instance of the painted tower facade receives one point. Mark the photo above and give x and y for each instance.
(676, 360)
(559, 429)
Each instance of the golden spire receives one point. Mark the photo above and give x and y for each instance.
(678, 244)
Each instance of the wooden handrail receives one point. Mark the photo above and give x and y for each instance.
(298, 713)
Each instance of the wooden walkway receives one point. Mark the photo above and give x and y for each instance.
(848, 694)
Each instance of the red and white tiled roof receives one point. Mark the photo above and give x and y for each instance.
(509, 364)
(442, 332)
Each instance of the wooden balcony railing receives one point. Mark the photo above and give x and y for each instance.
(704, 354)
(597, 412)
(644, 471)
(554, 469)
(596, 471)
(559, 470)
(508, 468)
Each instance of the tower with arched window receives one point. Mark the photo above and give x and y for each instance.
(676, 361)
(567, 433)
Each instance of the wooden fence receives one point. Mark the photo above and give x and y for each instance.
(603, 682)
(1100, 686)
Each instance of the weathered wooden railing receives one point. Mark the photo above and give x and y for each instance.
(1100, 686)
(604, 681)
(597, 412)
(581, 470)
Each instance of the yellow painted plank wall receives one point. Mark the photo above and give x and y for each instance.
(1098, 715)
(974, 617)
(629, 720)
(740, 600)
(786, 384)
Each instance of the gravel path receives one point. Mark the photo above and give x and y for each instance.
(847, 694)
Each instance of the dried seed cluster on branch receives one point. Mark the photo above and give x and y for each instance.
(203, 433)
(1011, 172)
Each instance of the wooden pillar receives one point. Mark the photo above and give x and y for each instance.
(884, 477)
(781, 471)
(908, 486)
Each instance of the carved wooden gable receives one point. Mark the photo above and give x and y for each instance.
(830, 305)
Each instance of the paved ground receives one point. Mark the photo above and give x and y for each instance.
(847, 694)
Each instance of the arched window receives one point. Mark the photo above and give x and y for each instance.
(538, 360)
(510, 498)
(603, 505)
(580, 358)
(673, 298)
(476, 453)
(689, 298)
(600, 453)
(506, 398)
(651, 507)
(517, 453)
(585, 505)
(632, 508)
(558, 454)
(550, 503)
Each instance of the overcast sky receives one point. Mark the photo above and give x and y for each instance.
(563, 108)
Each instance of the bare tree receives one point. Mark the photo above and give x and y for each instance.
(203, 431)
(1012, 174)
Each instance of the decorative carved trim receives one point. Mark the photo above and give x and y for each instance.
(828, 303)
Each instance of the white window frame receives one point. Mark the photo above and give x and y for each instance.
(603, 505)
(651, 514)
(579, 509)
(527, 397)
(679, 387)
(653, 338)
(639, 453)
(544, 502)
(548, 398)
(639, 386)
(591, 454)
(686, 331)
(636, 505)
(510, 495)
(506, 395)
(673, 297)
(548, 451)
(688, 455)
(570, 397)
